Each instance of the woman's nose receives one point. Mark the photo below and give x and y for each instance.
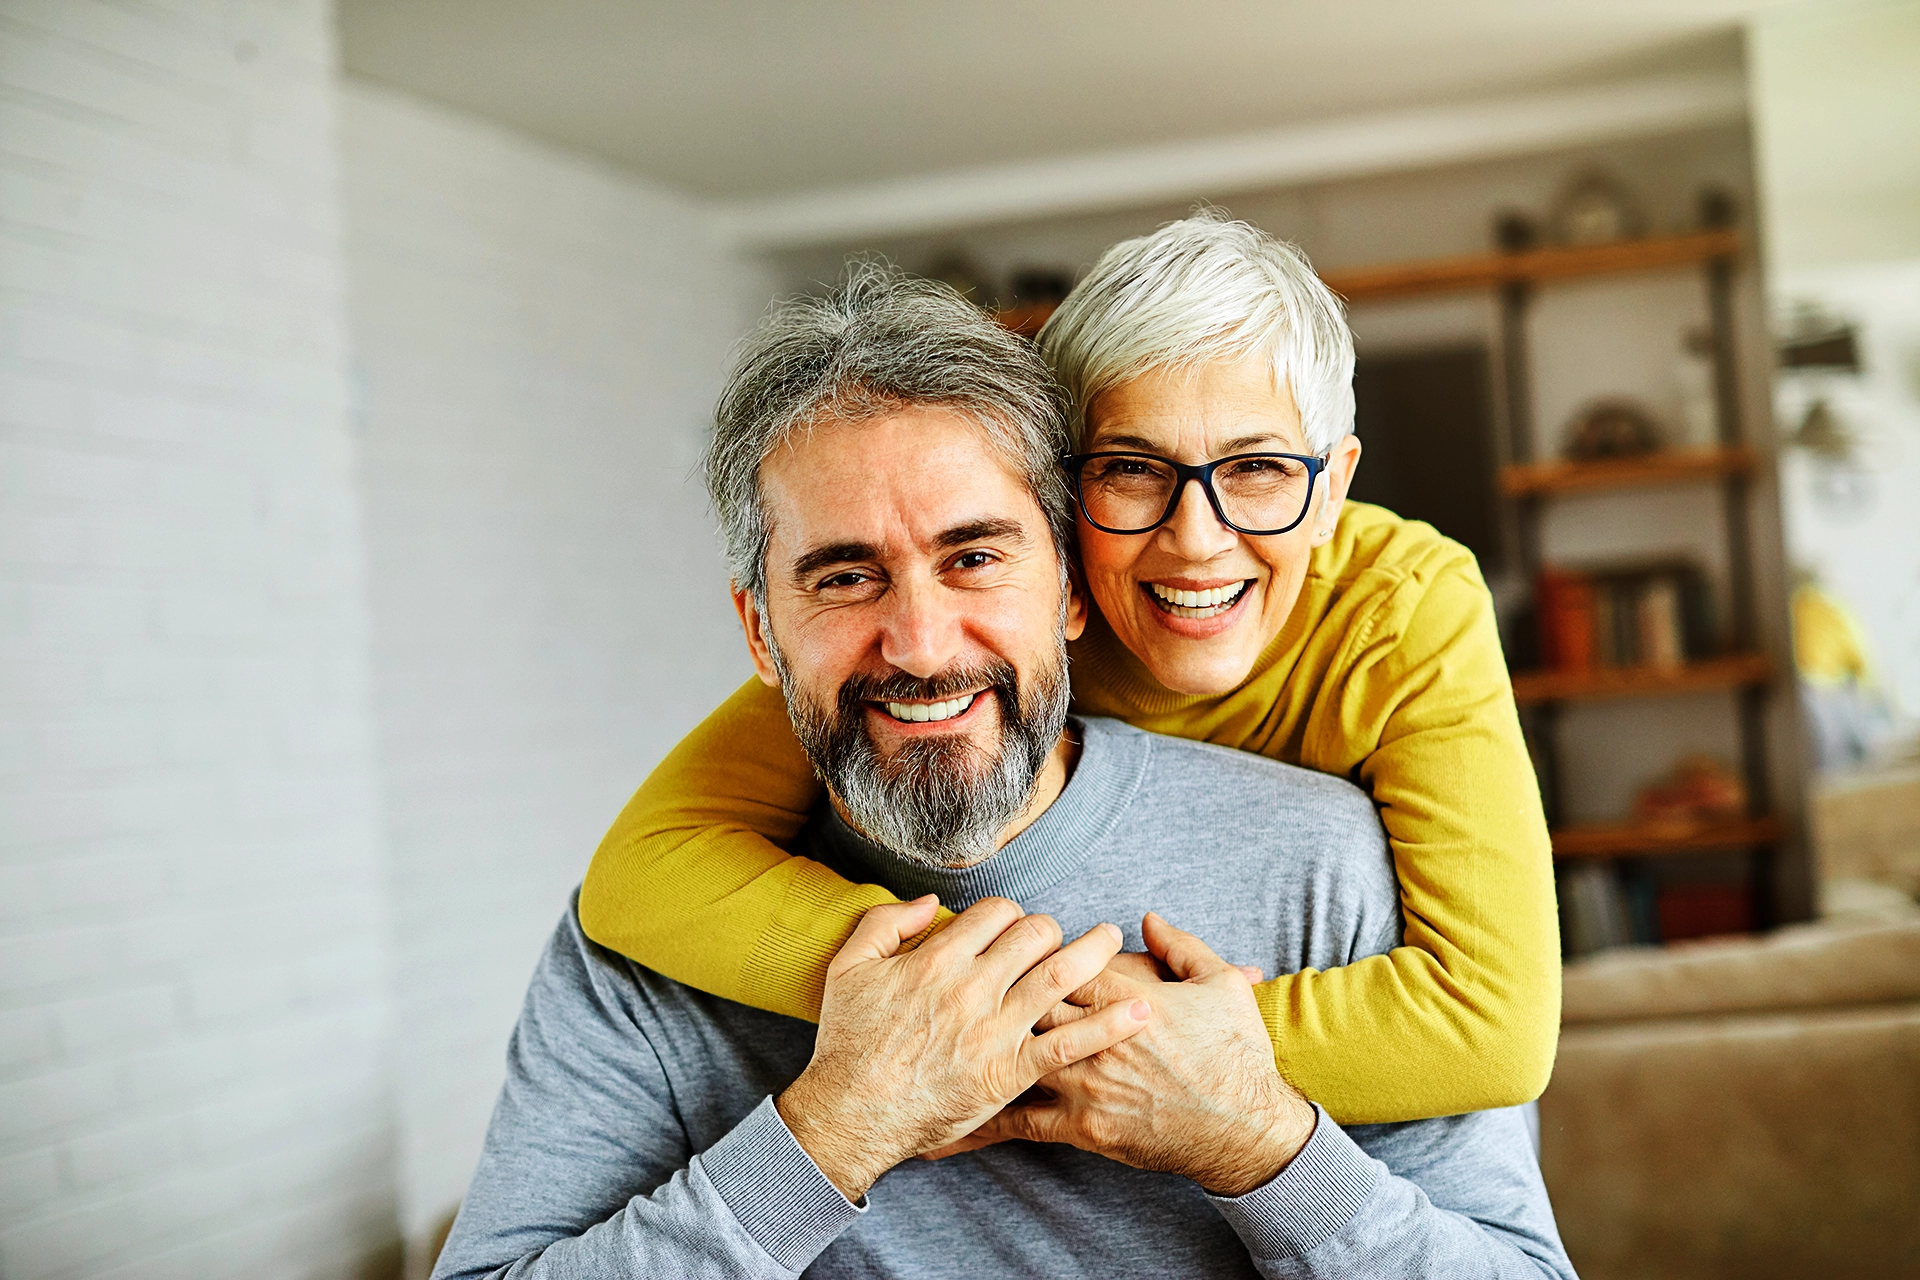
(1194, 532)
(921, 633)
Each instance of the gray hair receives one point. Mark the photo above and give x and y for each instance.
(881, 341)
(1203, 289)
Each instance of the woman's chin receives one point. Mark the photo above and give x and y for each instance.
(1196, 668)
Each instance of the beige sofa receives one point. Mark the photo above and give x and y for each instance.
(1751, 1107)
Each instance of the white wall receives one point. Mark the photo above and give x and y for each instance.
(538, 340)
(1838, 129)
(192, 1008)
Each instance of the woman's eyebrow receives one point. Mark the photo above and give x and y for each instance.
(1239, 444)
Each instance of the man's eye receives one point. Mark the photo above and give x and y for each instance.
(851, 578)
(973, 560)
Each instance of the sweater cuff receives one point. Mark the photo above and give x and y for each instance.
(1310, 1200)
(775, 1190)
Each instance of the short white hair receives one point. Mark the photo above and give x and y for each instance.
(1204, 289)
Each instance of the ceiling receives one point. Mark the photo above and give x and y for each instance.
(754, 98)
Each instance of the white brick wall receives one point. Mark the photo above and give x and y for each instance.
(538, 341)
(193, 1020)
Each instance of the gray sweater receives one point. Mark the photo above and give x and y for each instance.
(636, 1135)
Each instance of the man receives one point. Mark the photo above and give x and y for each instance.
(883, 466)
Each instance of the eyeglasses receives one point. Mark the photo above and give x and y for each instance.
(1252, 493)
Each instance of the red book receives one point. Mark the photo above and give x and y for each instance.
(1566, 608)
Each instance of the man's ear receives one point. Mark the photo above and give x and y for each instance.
(1342, 461)
(759, 643)
(1076, 599)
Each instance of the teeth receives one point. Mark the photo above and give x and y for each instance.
(922, 712)
(1211, 598)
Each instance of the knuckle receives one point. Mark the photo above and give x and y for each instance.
(1059, 973)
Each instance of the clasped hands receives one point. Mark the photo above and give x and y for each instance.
(992, 1029)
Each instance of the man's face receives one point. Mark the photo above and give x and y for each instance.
(916, 619)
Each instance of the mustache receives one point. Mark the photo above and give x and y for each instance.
(899, 686)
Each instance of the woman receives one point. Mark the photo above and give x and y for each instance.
(1239, 600)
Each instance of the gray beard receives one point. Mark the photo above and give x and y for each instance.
(938, 802)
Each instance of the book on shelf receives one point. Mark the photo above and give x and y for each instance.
(1654, 614)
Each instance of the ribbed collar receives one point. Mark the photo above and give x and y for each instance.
(1113, 761)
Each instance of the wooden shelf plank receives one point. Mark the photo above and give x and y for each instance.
(1729, 672)
(1486, 270)
(1026, 320)
(1651, 839)
(1667, 466)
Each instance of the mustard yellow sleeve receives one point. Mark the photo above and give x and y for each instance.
(692, 881)
(1464, 1016)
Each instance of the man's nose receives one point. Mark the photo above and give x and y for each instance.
(922, 632)
(1194, 532)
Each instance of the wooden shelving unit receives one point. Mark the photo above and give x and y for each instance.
(1669, 466)
(1731, 672)
(1528, 483)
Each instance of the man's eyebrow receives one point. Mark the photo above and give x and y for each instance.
(986, 529)
(832, 554)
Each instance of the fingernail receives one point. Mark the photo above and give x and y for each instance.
(1114, 929)
(1140, 1010)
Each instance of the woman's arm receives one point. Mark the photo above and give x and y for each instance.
(692, 883)
(1465, 1016)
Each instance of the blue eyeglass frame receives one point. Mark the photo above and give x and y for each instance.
(1185, 474)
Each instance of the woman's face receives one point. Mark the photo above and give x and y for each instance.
(1195, 416)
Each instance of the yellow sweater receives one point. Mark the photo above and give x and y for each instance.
(1388, 672)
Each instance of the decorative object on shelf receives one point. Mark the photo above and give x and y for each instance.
(957, 270)
(1596, 208)
(1717, 208)
(1515, 231)
(1614, 427)
(1698, 788)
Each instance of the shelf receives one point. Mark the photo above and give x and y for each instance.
(1652, 839)
(1668, 466)
(1730, 672)
(1026, 320)
(1486, 270)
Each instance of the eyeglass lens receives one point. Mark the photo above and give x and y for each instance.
(1130, 493)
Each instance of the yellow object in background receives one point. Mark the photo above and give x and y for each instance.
(1827, 644)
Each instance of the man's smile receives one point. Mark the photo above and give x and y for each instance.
(949, 713)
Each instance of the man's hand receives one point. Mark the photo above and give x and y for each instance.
(915, 1050)
(1196, 1093)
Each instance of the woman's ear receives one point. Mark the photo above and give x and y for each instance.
(1342, 461)
(759, 643)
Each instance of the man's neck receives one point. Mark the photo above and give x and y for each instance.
(1046, 788)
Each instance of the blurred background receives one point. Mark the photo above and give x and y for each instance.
(355, 356)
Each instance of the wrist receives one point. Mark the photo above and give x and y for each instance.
(1283, 1131)
(830, 1141)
